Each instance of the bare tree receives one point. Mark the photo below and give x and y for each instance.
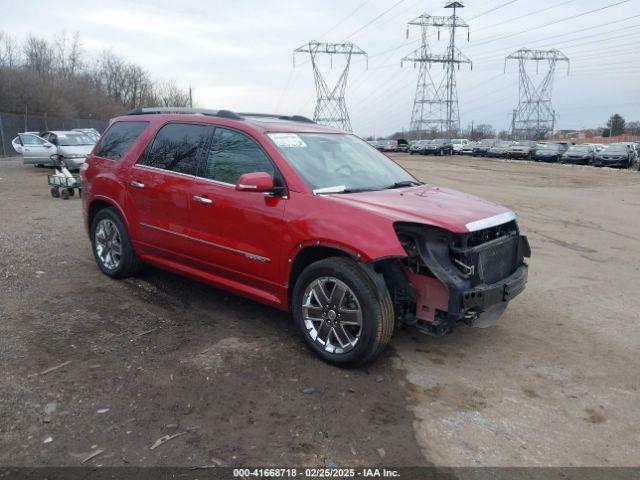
(39, 56)
(52, 77)
(167, 94)
(8, 51)
(68, 54)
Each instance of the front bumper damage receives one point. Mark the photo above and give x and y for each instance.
(452, 279)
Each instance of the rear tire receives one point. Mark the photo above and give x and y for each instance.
(313, 316)
(128, 263)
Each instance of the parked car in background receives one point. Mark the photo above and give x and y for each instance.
(579, 155)
(72, 148)
(458, 143)
(419, 147)
(387, 146)
(468, 148)
(616, 155)
(500, 149)
(525, 149)
(565, 145)
(17, 144)
(301, 217)
(35, 150)
(439, 146)
(402, 145)
(483, 146)
(91, 132)
(597, 146)
(373, 143)
(549, 152)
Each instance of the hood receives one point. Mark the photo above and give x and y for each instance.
(578, 154)
(430, 205)
(75, 149)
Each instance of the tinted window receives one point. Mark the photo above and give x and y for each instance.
(118, 140)
(177, 147)
(233, 154)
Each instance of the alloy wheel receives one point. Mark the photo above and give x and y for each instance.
(108, 244)
(332, 315)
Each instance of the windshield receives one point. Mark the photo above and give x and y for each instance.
(339, 162)
(74, 139)
(580, 148)
(503, 144)
(551, 148)
(616, 149)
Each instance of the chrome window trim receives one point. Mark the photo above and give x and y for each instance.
(250, 256)
(149, 167)
(217, 182)
(491, 221)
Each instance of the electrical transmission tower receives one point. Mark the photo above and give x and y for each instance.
(435, 106)
(534, 116)
(331, 108)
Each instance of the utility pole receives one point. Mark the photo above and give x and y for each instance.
(190, 97)
(435, 106)
(331, 107)
(534, 117)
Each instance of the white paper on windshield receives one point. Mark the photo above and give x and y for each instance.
(287, 140)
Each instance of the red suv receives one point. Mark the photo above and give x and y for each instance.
(302, 217)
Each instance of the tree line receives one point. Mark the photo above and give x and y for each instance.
(56, 77)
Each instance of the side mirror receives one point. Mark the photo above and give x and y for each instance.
(255, 182)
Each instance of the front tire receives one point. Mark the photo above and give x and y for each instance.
(111, 245)
(340, 313)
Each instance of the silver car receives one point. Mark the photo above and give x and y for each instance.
(72, 148)
(34, 149)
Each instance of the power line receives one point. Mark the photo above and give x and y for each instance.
(373, 20)
(572, 17)
(345, 18)
(524, 15)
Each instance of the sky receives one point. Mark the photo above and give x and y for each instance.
(237, 54)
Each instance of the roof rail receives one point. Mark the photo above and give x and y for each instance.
(291, 118)
(185, 111)
(215, 113)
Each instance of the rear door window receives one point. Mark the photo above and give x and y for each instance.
(177, 148)
(119, 138)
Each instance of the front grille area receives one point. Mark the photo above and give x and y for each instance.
(487, 256)
(497, 260)
(480, 237)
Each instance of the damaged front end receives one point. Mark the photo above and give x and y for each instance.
(448, 279)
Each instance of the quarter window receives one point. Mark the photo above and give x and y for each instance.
(233, 154)
(118, 140)
(177, 147)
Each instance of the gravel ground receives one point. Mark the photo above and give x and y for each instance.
(554, 383)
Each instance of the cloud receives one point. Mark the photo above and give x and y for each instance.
(238, 54)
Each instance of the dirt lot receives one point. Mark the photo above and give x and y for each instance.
(554, 383)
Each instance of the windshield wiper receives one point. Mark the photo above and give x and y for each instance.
(403, 184)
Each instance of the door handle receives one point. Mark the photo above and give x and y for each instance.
(137, 184)
(205, 200)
